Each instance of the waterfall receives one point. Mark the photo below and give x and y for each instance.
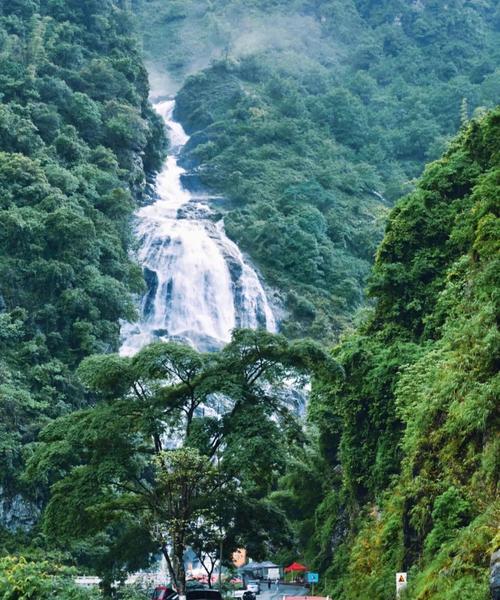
(199, 285)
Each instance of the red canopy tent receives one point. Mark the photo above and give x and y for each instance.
(295, 567)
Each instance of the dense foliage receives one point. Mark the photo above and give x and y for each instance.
(37, 579)
(76, 138)
(181, 450)
(314, 118)
(409, 437)
(300, 207)
(311, 117)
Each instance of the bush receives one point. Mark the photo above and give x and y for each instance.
(24, 579)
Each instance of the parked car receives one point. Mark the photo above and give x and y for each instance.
(253, 585)
(203, 594)
(163, 593)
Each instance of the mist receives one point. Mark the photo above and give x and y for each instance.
(192, 43)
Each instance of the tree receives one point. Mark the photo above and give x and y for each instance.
(183, 480)
(159, 445)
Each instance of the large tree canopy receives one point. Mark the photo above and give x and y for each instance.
(184, 445)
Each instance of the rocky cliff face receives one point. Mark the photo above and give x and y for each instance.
(495, 575)
(17, 513)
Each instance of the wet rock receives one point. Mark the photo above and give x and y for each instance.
(160, 333)
(151, 279)
(187, 158)
(200, 341)
(495, 575)
(235, 267)
(295, 396)
(191, 181)
(194, 210)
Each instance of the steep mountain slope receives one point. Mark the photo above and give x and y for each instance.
(76, 138)
(314, 118)
(409, 437)
(301, 205)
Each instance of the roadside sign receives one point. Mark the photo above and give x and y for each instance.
(273, 573)
(401, 582)
(312, 577)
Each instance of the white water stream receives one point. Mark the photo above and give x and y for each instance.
(200, 287)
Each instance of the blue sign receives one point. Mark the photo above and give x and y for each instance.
(312, 577)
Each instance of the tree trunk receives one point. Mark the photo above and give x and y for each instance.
(171, 570)
(178, 565)
(210, 573)
(220, 564)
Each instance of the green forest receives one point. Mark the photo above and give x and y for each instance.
(77, 139)
(409, 434)
(355, 146)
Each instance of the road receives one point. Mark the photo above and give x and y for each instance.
(284, 590)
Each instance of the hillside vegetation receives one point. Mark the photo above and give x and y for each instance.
(76, 138)
(313, 118)
(405, 446)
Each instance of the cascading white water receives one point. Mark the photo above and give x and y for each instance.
(199, 285)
